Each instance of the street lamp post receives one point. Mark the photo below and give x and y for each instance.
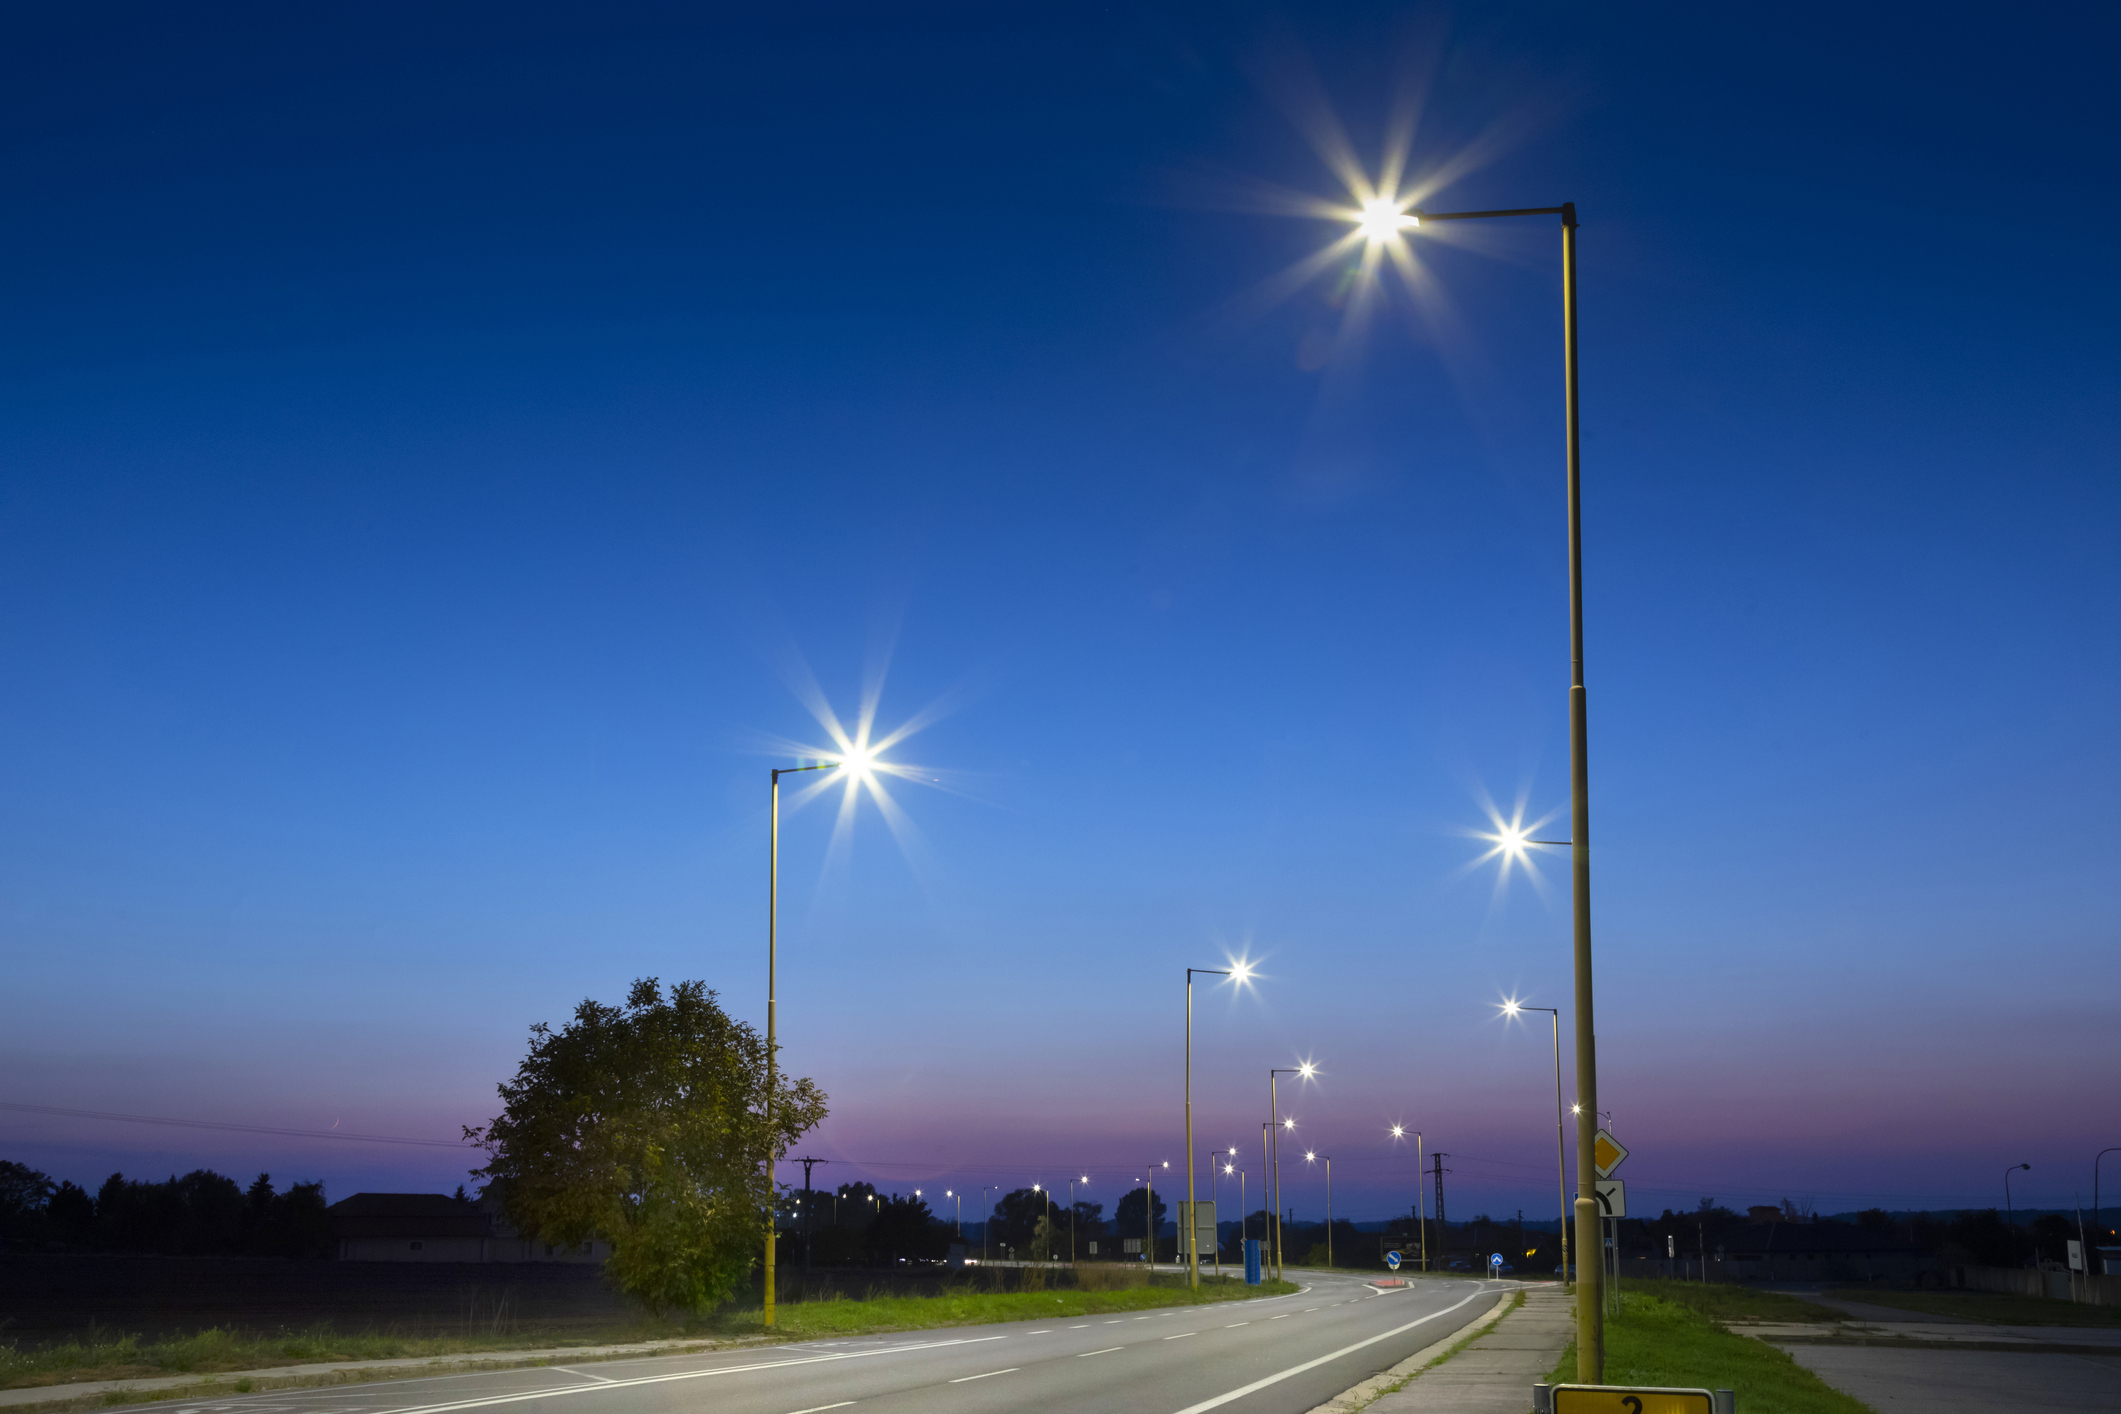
(2098, 1221)
(1274, 1154)
(1421, 1213)
(1382, 220)
(773, 908)
(1149, 1213)
(1213, 1155)
(1192, 1239)
(1266, 1161)
(1071, 1216)
(2010, 1215)
(986, 1221)
(1329, 1204)
(1511, 1008)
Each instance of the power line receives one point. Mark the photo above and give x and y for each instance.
(236, 1128)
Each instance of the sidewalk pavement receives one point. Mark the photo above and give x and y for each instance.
(1493, 1375)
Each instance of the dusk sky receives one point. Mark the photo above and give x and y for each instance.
(439, 445)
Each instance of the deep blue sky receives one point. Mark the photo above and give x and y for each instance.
(427, 441)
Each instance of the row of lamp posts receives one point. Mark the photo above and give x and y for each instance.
(1384, 221)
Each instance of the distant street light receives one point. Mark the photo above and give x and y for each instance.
(859, 762)
(1421, 1214)
(2098, 1221)
(2010, 1216)
(1239, 973)
(1329, 1203)
(1561, 1168)
(1149, 1212)
(1085, 1179)
(1306, 1070)
(1214, 1154)
(957, 1224)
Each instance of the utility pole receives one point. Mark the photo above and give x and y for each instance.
(1443, 1230)
(809, 1211)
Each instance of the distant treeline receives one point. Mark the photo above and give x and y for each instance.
(202, 1214)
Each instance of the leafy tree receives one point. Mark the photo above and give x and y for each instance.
(1017, 1216)
(904, 1228)
(646, 1125)
(73, 1215)
(1131, 1217)
(1089, 1221)
(24, 1195)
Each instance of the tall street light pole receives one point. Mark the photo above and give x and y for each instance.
(1214, 1154)
(2098, 1221)
(1561, 1171)
(1266, 1168)
(1274, 1154)
(1421, 1212)
(1382, 220)
(1085, 1180)
(1308, 1158)
(773, 909)
(2010, 1215)
(1192, 1240)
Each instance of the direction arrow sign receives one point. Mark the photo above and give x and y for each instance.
(1606, 1154)
(1392, 1260)
(1612, 1198)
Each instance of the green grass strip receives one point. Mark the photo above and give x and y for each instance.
(1655, 1341)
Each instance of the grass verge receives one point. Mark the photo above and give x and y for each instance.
(1995, 1307)
(1655, 1341)
(112, 1356)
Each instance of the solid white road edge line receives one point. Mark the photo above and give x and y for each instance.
(966, 1379)
(681, 1375)
(1222, 1399)
(1106, 1351)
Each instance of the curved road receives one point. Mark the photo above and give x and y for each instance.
(1277, 1355)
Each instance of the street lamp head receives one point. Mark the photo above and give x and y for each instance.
(1229, 1168)
(1240, 973)
(1310, 1157)
(1399, 1131)
(1510, 1007)
(1307, 1070)
(1288, 1124)
(1381, 218)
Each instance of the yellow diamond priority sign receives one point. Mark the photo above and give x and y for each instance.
(1606, 1154)
(1623, 1399)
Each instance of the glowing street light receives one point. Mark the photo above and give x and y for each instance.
(1239, 974)
(1310, 1157)
(1421, 1213)
(1306, 1070)
(1510, 1008)
(1384, 233)
(861, 762)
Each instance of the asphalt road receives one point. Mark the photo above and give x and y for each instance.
(1279, 1355)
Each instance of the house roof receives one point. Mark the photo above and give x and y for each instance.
(1807, 1239)
(407, 1216)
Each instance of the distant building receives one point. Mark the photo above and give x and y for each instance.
(434, 1227)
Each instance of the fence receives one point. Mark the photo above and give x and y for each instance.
(2056, 1286)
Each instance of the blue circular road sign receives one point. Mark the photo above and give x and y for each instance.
(1392, 1260)
(1496, 1260)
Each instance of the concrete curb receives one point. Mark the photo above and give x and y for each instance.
(92, 1392)
(1350, 1400)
